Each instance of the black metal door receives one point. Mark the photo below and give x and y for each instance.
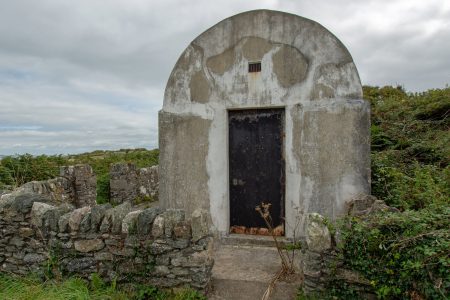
(256, 167)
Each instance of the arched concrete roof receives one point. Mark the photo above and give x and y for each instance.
(301, 61)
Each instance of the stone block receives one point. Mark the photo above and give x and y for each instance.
(161, 271)
(26, 232)
(32, 258)
(129, 223)
(182, 230)
(104, 256)
(38, 212)
(318, 237)
(63, 223)
(200, 223)
(17, 241)
(24, 202)
(158, 226)
(146, 218)
(89, 245)
(97, 214)
(158, 248)
(171, 218)
(77, 216)
(114, 217)
(80, 265)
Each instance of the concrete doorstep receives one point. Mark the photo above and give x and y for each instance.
(244, 272)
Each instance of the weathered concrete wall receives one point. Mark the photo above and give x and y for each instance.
(163, 248)
(129, 183)
(307, 71)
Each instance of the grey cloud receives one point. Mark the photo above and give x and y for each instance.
(82, 75)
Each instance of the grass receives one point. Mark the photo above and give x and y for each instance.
(32, 288)
(14, 287)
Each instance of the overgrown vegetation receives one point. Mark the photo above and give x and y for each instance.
(410, 146)
(32, 288)
(19, 169)
(405, 255)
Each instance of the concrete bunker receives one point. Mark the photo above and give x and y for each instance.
(298, 82)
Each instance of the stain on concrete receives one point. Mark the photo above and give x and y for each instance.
(199, 87)
(254, 48)
(289, 65)
(186, 59)
(322, 91)
(222, 62)
(336, 80)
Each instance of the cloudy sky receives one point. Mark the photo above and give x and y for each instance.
(77, 76)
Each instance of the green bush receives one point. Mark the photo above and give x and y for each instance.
(410, 146)
(17, 170)
(402, 254)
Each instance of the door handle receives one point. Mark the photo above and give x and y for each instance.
(237, 182)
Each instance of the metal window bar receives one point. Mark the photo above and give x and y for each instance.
(254, 67)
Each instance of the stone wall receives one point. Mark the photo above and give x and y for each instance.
(163, 248)
(76, 185)
(84, 184)
(129, 183)
(322, 262)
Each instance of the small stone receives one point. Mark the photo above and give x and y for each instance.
(23, 203)
(89, 245)
(129, 223)
(179, 243)
(66, 245)
(32, 258)
(163, 260)
(80, 265)
(38, 212)
(182, 230)
(318, 237)
(16, 241)
(97, 214)
(26, 232)
(63, 223)
(158, 227)
(113, 218)
(132, 241)
(122, 251)
(161, 271)
(157, 248)
(85, 224)
(178, 261)
(200, 222)
(103, 256)
(112, 242)
(77, 216)
(172, 217)
(146, 218)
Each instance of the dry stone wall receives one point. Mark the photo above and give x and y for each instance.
(322, 262)
(76, 185)
(84, 184)
(163, 248)
(129, 183)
